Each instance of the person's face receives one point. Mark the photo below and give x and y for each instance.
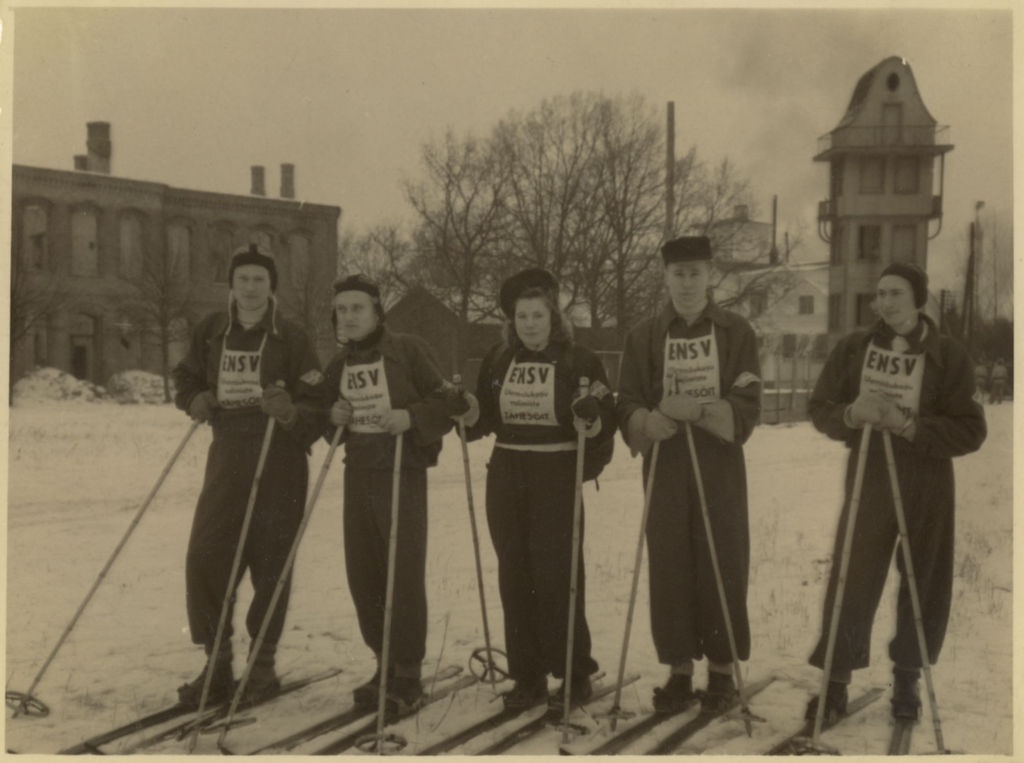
(894, 300)
(355, 313)
(533, 322)
(687, 284)
(251, 286)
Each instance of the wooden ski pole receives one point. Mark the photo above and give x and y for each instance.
(27, 697)
(232, 581)
(718, 578)
(577, 513)
(844, 566)
(286, 571)
(637, 561)
(915, 600)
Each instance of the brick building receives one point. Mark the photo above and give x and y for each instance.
(84, 240)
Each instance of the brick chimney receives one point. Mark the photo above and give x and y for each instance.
(287, 181)
(98, 146)
(81, 162)
(258, 186)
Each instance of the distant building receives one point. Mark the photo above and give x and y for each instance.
(90, 236)
(885, 189)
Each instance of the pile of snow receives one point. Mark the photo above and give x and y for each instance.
(137, 387)
(44, 384)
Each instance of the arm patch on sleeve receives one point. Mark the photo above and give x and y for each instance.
(312, 377)
(746, 378)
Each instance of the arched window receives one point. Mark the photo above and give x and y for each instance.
(299, 265)
(35, 245)
(83, 346)
(221, 240)
(84, 244)
(130, 253)
(179, 250)
(265, 240)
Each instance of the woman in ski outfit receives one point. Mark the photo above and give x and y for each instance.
(528, 394)
(694, 363)
(382, 384)
(242, 366)
(900, 376)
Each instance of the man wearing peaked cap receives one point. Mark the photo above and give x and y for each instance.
(244, 365)
(693, 370)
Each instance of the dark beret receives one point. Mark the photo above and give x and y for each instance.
(252, 254)
(531, 278)
(910, 272)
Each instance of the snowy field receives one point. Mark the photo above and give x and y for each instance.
(79, 470)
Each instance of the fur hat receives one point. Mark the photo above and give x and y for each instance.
(253, 254)
(686, 249)
(531, 278)
(913, 274)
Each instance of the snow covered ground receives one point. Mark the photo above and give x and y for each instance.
(79, 470)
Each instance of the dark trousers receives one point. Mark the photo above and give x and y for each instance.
(687, 622)
(530, 498)
(216, 527)
(367, 520)
(926, 486)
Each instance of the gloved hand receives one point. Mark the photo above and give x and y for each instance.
(471, 414)
(203, 406)
(396, 421)
(892, 419)
(681, 408)
(586, 408)
(278, 403)
(341, 412)
(866, 409)
(658, 426)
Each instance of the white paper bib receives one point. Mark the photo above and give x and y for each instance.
(528, 395)
(238, 380)
(691, 368)
(366, 387)
(895, 376)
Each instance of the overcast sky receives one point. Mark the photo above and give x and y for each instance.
(196, 96)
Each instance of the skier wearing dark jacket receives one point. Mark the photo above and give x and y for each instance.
(903, 377)
(696, 364)
(242, 366)
(383, 384)
(528, 394)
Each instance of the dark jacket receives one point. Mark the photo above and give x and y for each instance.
(414, 384)
(643, 365)
(288, 356)
(950, 423)
(570, 362)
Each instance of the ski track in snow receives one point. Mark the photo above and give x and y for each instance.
(78, 472)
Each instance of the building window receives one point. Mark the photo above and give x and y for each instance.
(836, 178)
(865, 309)
(264, 240)
(835, 307)
(130, 253)
(220, 253)
(34, 244)
(83, 342)
(298, 262)
(869, 242)
(903, 238)
(179, 250)
(872, 174)
(906, 174)
(84, 246)
(788, 345)
(806, 306)
(835, 247)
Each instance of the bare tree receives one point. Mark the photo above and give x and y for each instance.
(162, 304)
(383, 254)
(35, 296)
(462, 226)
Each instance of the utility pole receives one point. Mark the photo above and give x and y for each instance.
(670, 170)
(978, 259)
